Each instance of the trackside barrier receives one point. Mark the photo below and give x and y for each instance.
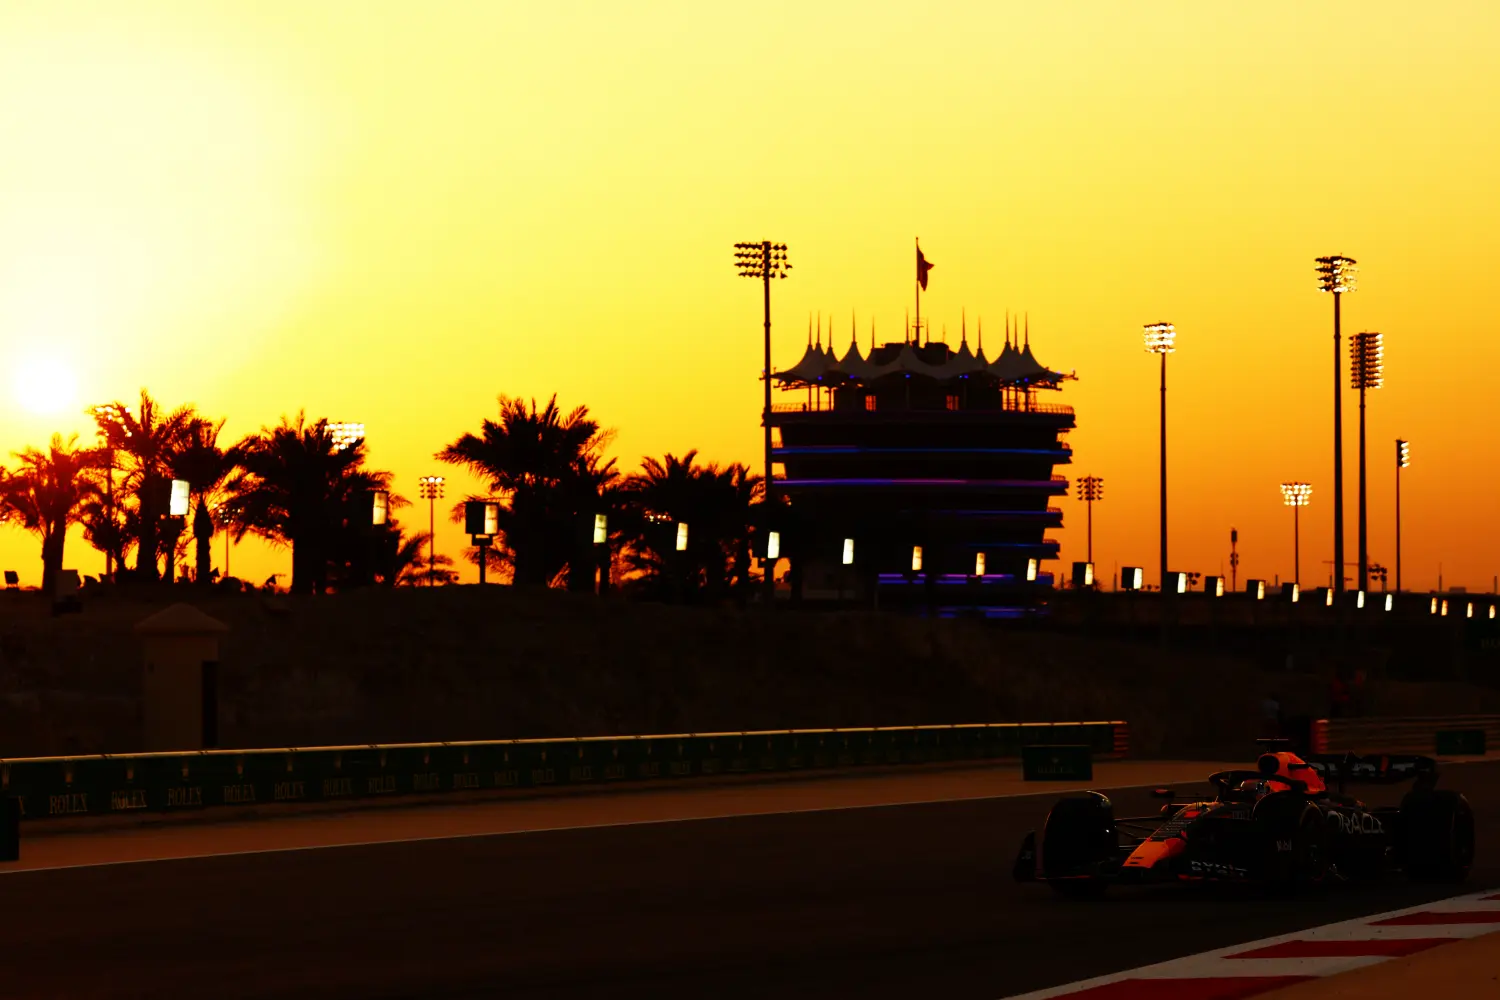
(1402, 735)
(44, 787)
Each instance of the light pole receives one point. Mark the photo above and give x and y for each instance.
(1366, 371)
(1159, 340)
(431, 491)
(1296, 495)
(765, 260)
(1403, 459)
(1091, 488)
(345, 433)
(1336, 274)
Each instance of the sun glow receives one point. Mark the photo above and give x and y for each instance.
(46, 386)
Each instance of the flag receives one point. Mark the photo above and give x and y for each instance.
(922, 268)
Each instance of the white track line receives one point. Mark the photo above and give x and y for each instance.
(1213, 963)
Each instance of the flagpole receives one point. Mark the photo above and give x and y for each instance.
(917, 330)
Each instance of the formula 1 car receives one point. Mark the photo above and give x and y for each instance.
(1277, 826)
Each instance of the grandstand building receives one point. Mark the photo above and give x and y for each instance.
(921, 476)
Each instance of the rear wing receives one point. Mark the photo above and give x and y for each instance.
(1383, 769)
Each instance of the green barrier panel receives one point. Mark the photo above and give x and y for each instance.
(96, 785)
(1461, 743)
(1056, 763)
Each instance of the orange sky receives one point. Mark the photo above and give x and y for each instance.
(393, 211)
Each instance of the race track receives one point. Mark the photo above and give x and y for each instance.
(900, 901)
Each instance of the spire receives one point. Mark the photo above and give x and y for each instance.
(1028, 329)
(963, 319)
(906, 337)
(820, 330)
(981, 333)
(872, 335)
(1007, 328)
(853, 330)
(809, 329)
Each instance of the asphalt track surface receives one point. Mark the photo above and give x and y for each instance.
(900, 901)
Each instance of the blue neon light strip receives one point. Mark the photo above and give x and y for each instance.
(849, 449)
(1047, 484)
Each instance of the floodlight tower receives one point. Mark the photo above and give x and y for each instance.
(1296, 495)
(765, 260)
(345, 433)
(432, 491)
(1403, 459)
(1366, 371)
(1160, 338)
(1337, 274)
(1090, 488)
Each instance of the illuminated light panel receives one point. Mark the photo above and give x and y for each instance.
(1160, 338)
(979, 564)
(1444, 610)
(773, 545)
(380, 508)
(682, 536)
(601, 529)
(1031, 570)
(1390, 602)
(1328, 600)
(1296, 593)
(181, 498)
(848, 551)
(1359, 599)
(916, 558)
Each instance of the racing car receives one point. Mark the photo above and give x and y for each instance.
(1278, 826)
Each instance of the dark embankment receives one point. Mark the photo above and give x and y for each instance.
(491, 663)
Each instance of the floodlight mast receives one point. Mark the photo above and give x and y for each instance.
(1159, 339)
(432, 491)
(1090, 488)
(1337, 275)
(765, 260)
(1366, 371)
(1296, 495)
(1403, 459)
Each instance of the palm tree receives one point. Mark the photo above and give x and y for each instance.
(545, 465)
(295, 488)
(148, 438)
(46, 494)
(206, 467)
(716, 504)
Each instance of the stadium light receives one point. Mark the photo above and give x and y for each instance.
(1366, 371)
(1337, 275)
(848, 552)
(1296, 495)
(1403, 459)
(765, 260)
(345, 433)
(1160, 338)
(1090, 489)
(431, 489)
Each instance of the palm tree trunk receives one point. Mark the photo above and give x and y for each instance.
(146, 549)
(52, 558)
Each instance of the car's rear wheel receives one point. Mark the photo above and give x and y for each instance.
(1436, 836)
(1296, 842)
(1079, 838)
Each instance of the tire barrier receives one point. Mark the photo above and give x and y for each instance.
(1445, 736)
(51, 787)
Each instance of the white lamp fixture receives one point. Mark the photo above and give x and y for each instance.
(601, 529)
(848, 552)
(916, 558)
(1359, 599)
(1031, 568)
(773, 544)
(492, 519)
(682, 535)
(380, 508)
(979, 564)
(1328, 597)
(181, 497)
(1390, 601)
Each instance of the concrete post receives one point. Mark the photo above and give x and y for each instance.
(180, 684)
